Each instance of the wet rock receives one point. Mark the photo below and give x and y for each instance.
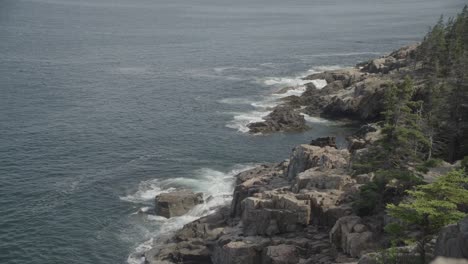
(324, 141)
(282, 119)
(177, 203)
(209, 227)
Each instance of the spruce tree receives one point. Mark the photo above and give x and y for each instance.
(403, 140)
(429, 208)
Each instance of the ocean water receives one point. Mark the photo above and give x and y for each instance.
(105, 103)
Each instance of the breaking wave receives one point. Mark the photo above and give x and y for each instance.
(291, 86)
(217, 187)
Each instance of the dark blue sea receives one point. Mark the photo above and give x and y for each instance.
(106, 103)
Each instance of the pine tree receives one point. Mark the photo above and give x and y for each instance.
(429, 208)
(403, 139)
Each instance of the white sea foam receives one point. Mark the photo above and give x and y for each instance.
(296, 86)
(147, 190)
(285, 81)
(236, 101)
(241, 120)
(217, 187)
(343, 54)
(314, 119)
(323, 68)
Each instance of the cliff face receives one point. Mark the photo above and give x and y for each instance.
(281, 213)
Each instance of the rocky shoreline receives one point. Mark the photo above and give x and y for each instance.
(353, 93)
(300, 210)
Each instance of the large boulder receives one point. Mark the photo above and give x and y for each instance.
(352, 236)
(305, 157)
(282, 119)
(274, 214)
(194, 251)
(209, 227)
(177, 203)
(322, 179)
(280, 254)
(452, 241)
(259, 179)
(245, 251)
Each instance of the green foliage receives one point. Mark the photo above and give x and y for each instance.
(464, 163)
(370, 196)
(443, 56)
(403, 139)
(430, 163)
(388, 256)
(384, 188)
(430, 207)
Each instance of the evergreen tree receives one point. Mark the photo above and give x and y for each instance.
(429, 208)
(403, 139)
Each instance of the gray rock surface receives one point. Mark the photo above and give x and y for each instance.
(176, 203)
(324, 141)
(442, 260)
(452, 241)
(352, 236)
(306, 156)
(282, 119)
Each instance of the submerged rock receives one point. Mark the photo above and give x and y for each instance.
(176, 203)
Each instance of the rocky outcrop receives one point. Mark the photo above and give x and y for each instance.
(280, 213)
(364, 137)
(324, 141)
(353, 93)
(452, 241)
(257, 180)
(300, 210)
(191, 244)
(273, 214)
(305, 157)
(393, 62)
(176, 203)
(282, 119)
(280, 254)
(352, 236)
(442, 260)
(362, 100)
